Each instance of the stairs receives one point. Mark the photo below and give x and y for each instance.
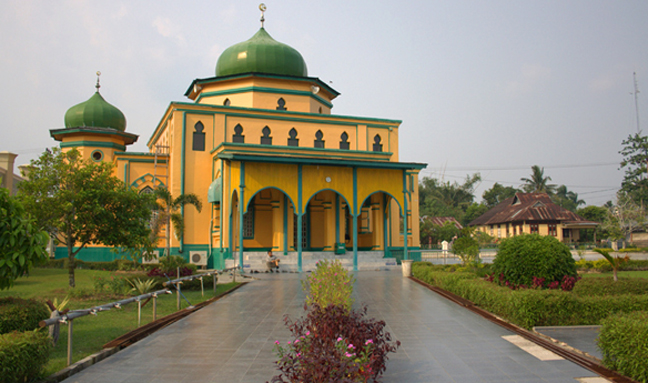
(367, 260)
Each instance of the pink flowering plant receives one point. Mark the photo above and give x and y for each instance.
(334, 345)
(329, 284)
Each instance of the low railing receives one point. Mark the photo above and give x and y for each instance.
(70, 316)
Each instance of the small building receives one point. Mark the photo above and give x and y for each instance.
(9, 179)
(440, 221)
(528, 213)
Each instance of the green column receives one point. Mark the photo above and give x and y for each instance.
(241, 210)
(285, 224)
(355, 219)
(405, 256)
(299, 218)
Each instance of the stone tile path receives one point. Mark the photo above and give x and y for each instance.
(232, 339)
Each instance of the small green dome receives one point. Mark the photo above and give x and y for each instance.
(261, 54)
(95, 112)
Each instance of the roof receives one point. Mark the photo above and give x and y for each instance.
(535, 207)
(440, 221)
(261, 54)
(97, 113)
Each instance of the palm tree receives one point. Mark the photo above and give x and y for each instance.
(538, 182)
(166, 211)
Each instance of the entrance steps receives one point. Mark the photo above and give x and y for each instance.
(367, 260)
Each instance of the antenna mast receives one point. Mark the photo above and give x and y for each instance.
(636, 97)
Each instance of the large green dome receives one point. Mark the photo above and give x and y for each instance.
(95, 112)
(261, 54)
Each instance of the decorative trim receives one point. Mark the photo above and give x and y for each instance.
(316, 161)
(326, 152)
(96, 144)
(263, 90)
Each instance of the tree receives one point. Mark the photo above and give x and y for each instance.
(81, 203)
(624, 217)
(167, 212)
(635, 158)
(22, 245)
(567, 199)
(474, 211)
(446, 199)
(538, 183)
(594, 214)
(498, 193)
(466, 247)
(615, 261)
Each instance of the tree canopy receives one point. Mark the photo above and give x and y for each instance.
(635, 158)
(22, 244)
(447, 199)
(166, 209)
(538, 182)
(498, 193)
(81, 203)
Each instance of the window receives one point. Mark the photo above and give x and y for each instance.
(344, 143)
(534, 228)
(146, 190)
(97, 155)
(377, 146)
(238, 136)
(281, 104)
(552, 229)
(319, 143)
(227, 102)
(292, 139)
(266, 139)
(499, 231)
(199, 137)
(248, 223)
(365, 217)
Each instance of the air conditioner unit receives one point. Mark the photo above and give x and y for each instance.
(198, 258)
(154, 259)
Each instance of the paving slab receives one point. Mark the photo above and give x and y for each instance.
(231, 340)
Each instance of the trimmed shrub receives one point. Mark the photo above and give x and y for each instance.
(523, 257)
(607, 286)
(530, 307)
(329, 284)
(23, 355)
(623, 338)
(18, 314)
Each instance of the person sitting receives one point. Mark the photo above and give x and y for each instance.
(272, 262)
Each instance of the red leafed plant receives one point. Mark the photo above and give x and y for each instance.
(333, 344)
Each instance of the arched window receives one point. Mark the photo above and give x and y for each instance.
(266, 139)
(199, 137)
(281, 104)
(238, 136)
(226, 102)
(146, 190)
(292, 139)
(377, 146)
(319, 143)
(344, 141)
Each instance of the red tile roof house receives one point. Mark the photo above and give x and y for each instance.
(532, 213)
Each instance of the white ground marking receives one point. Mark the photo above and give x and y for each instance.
(532, 348)
(596, 379)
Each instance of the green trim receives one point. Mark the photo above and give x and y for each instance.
(263, 90)
(325, 152)
(405, 230)
(315, 161)
(182, 168)
(285, 224)
(221, 211)
(337, 218)
(241, 211)
(97, 151)
(97, 144)
(261, 75)
(299, 218)
(143, 179)
(355, 218)
(384, 214)
(130, 138)
(136, 160)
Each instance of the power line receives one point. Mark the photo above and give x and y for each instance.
(478, 169)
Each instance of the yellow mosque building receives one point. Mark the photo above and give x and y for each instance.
(273, 167)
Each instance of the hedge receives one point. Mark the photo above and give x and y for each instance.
(623, 338)
(607, 286)
(529, 307)
(23, 355)
(18, 314)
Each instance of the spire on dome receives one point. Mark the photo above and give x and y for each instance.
(98, 86)
(263, 8)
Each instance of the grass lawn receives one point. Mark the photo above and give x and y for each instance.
(92, 332)
(621, 274)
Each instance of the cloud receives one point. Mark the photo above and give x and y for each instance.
(528, 79)
(167, 28)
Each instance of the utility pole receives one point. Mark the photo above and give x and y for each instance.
(636, 99)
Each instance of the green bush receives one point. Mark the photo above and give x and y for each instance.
(529, 307)
(23, 355)
(606, 286)
(523, 257)
(623, 338)
(329, 284)
(18, 314)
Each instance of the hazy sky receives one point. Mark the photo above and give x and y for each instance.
(491, 87)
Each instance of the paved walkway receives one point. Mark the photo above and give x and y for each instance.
(232, 339)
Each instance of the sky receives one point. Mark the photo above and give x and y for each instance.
(493, 87)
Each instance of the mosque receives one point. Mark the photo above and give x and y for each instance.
(273, 167)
